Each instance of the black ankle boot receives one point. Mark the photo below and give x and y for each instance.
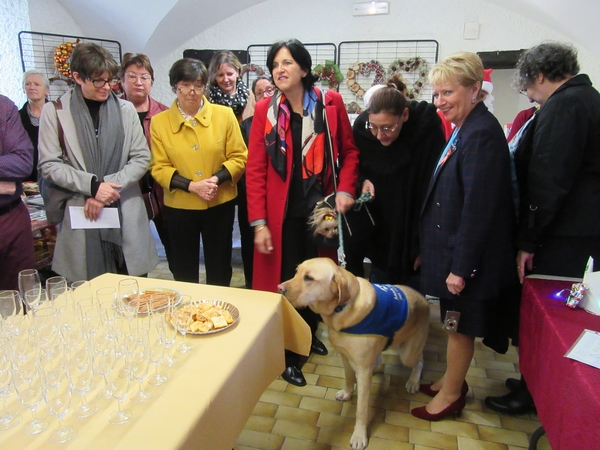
(294, 376)
(514, 403)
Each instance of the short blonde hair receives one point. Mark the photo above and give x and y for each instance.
(464, 69)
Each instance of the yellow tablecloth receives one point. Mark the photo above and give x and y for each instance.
(212, 390)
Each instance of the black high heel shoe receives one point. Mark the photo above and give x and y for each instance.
(455, 407)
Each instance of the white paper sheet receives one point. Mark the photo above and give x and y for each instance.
(109, 218)
(586, 349)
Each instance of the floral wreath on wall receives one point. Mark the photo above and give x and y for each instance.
(62, 57)
(360, 68)
(253, 68)
(411, 65)
(329, 73)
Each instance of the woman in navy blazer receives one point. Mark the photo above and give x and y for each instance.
(467, 225)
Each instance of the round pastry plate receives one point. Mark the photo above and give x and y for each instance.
(225, 306)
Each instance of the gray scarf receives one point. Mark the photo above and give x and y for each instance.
(102, 155)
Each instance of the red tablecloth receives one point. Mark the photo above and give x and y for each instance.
(566, 392)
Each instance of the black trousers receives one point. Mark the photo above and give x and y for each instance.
(246, 232)
(216, 227)
(296, 248)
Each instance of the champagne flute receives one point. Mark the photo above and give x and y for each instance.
(55, 286)
(8, 419)
(156, 347)
(10, 304)
(29, 279)
(79, 290)
(170, 335)
(80, 362)
(128, 298)
(118, 378)
(56, 390)
(28, 385)
(137, 346)
(46, 326)
(34, 298)
(181, 317)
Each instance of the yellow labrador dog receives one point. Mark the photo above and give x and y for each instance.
(351, 306)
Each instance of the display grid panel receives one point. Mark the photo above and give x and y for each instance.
(38, 49)
(367, 63)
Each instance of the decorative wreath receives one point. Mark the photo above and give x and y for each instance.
(329, 73)
(411, 65)
(62, 57)
(253, 68)
(360, 68)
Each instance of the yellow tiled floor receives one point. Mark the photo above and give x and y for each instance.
(309, 418)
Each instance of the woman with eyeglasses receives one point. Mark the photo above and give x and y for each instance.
(399, 142)
(93, 150)
(198, 156)
(137, 78)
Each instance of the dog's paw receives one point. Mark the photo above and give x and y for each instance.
(412, 387)
(343, 396)
(359, 440)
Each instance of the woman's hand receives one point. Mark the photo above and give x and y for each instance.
(455, 284)
(262, 239)
(524, 260)
(343, 203)
(205, 189)
(368, 187)
(92, 209)
(107, 193)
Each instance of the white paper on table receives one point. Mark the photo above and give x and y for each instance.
(108, 218)
(586, 349)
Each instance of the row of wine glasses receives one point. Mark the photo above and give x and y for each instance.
(88, 335)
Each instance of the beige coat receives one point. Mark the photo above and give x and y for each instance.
(70, 252)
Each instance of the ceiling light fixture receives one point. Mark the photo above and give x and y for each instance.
(370, 8)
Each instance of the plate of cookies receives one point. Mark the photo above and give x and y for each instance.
(210, 316)
(155, 299)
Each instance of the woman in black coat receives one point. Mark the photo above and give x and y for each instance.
(399, 143)
(467, 225)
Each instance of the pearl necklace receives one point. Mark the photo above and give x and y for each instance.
(187, 116)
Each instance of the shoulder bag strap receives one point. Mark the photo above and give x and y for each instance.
(330, 146)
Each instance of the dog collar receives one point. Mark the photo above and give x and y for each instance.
(340, 308)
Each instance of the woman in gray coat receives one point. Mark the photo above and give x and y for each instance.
(93, 149)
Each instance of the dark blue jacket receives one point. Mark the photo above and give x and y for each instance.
(468, 218)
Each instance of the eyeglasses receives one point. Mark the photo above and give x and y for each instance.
(144, 79)
(185, 89)
(100, 82)
(267, 91)
(384, 130)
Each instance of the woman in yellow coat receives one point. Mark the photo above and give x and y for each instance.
(198, 155)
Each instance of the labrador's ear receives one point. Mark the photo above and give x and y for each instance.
(344, 283)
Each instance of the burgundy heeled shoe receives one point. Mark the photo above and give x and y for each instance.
(426, 389)
(455, 407)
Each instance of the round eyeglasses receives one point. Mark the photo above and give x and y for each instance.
(144, 79)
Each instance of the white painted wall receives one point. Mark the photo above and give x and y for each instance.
(332, 21)
(49, 16)
(14, 17)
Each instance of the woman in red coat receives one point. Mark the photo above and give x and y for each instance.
(288, 171)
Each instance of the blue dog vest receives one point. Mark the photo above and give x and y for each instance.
(388, 315)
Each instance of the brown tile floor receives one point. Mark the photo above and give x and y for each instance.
(309, 418)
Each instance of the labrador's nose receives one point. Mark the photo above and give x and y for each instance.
(281, 288)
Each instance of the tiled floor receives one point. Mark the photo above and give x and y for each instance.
(309, 418)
